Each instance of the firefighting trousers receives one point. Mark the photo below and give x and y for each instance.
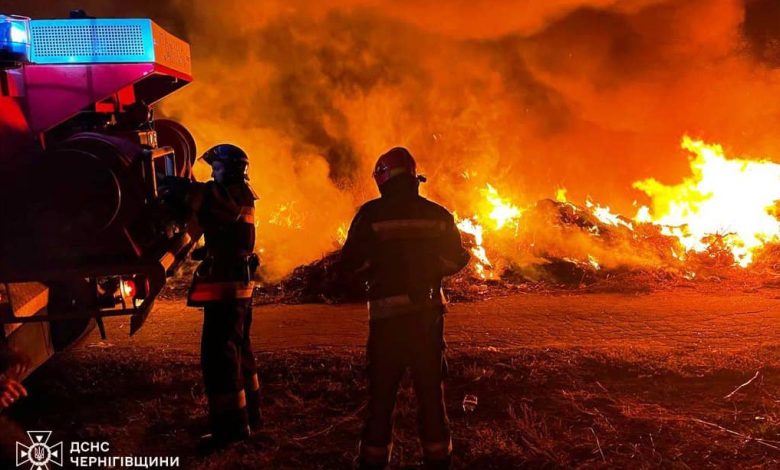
(229, 370)
(394, 344)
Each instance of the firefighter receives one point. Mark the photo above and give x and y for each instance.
(222, 285)
(404, 245)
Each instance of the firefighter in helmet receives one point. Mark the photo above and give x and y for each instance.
(404, 245)
(222, 285)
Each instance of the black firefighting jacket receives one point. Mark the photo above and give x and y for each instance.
(404, 244)
(225, 213)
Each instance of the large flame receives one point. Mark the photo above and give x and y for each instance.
(726, 205)
(733, 199)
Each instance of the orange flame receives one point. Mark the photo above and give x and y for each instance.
(734, 198)
(501, 211)
(482, 265)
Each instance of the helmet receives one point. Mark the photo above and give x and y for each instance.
(226, 153)
(394, 162)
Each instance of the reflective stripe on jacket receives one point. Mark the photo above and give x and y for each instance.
(202, 292)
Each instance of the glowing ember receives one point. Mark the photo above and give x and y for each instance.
(733, 198)
(560, 195)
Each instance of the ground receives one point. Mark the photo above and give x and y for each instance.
(562, 379)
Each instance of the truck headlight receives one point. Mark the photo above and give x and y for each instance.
(14, 38)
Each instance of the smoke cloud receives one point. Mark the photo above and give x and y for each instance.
(527, 96)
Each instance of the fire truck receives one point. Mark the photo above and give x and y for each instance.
(84, 234)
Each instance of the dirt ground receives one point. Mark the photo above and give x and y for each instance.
(566, 380)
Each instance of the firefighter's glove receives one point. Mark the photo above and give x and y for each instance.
(254, 263)
(173, 188)
(10, 391)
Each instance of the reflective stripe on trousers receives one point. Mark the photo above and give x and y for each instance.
(222, 402)
(376, 455)
(437, 450)
(253, 384)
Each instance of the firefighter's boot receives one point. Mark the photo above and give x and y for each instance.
(228, 420)
(252, 389)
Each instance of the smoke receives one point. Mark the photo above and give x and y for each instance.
(590, 95)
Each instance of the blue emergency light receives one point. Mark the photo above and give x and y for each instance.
(14, 38)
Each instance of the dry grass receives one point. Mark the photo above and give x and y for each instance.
(537, 409)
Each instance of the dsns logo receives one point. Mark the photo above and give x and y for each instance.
(39, 454)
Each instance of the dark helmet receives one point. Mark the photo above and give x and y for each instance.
(226, 153)
(394, 162)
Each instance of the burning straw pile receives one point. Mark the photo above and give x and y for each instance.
(718, 224)
(560, 250)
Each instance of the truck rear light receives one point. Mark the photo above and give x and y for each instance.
(128, 288)
(135, 287)
(115, 290)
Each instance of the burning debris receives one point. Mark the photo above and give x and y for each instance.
(318, 282)
(721, 217)
(720, 222)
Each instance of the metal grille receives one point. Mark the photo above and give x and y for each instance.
(87, 40)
